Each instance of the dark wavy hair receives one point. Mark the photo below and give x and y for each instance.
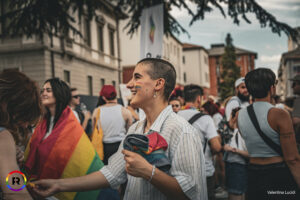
(19, 103)
(160, 68)
(62, 94)
(259, 82)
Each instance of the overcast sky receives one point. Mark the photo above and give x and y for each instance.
(269, 46)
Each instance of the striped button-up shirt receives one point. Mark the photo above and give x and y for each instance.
(184, 151)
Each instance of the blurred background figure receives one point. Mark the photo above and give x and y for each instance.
(178, 93)
(278, 104)
(175, 103)
(20, 107)
(135, 116)
(79, 109)
(212, 109)
(114, 121)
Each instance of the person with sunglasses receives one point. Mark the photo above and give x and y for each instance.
(175, 103)
(82, 116)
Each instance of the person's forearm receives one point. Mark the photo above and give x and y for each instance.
(91, 181)
(243, 153)
(166, 184)
(294, 166)
(84, 123)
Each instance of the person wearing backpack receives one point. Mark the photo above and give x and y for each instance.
(206, 129)
(235, 150)
(274, 166)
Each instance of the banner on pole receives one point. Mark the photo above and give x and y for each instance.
(152, 32)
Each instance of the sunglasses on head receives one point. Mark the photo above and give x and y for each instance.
(175, 105)
(75, 96)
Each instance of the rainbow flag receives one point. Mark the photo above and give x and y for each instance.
(66, 152)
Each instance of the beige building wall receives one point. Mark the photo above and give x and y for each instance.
(73, 56)
(196, 67)
(130, 50)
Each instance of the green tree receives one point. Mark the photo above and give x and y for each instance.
(230, 71)
(55, 17)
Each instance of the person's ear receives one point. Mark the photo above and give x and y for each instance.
(199, 100)
(160, 83)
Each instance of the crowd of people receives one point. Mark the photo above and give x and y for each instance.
(245, 147)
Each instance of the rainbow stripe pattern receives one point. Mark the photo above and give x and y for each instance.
(152, 29)
(66, 152)
(16, 172)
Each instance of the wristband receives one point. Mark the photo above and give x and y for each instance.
(153, 172)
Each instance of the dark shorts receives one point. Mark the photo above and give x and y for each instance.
(272, 181)
(236, 178)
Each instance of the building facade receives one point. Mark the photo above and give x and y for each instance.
(289, 66)
(245, 59)
(130, 48)
(196, 66)
(86, 62)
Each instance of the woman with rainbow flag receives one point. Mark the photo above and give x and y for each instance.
(59, 148)
(178, 170)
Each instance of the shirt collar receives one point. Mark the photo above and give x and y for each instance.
(156, 126)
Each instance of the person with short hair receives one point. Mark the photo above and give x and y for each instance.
(206, 131)
(270, 140)
(151, 85)
(175, 103)
(20, 107)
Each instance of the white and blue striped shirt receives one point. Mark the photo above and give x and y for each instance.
(184, 151)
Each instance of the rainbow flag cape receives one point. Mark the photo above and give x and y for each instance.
(66, 152)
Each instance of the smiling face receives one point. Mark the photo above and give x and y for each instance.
(47, 96)
(141, 86)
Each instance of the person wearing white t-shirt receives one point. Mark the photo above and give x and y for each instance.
(206, 129)
(236, 151)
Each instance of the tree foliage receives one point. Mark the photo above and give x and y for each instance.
(56, 16)
(230, 71)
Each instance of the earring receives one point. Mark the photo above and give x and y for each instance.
(155, 95)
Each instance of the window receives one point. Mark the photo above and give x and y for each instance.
(183, 59)
(102, 81)
(184, 77)
(90, 85)
(296, 69)
(249, 63)
(111, 42)
(239, 58)
(67, 76)
(114, 83)
(206, 77)
(87, 31)
(205, 60)
(100, 38)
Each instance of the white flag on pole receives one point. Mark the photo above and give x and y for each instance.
(152, 32)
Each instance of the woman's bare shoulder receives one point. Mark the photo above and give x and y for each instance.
(7, 143)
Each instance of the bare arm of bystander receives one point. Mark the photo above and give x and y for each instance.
(284, 126)
(8, 164)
